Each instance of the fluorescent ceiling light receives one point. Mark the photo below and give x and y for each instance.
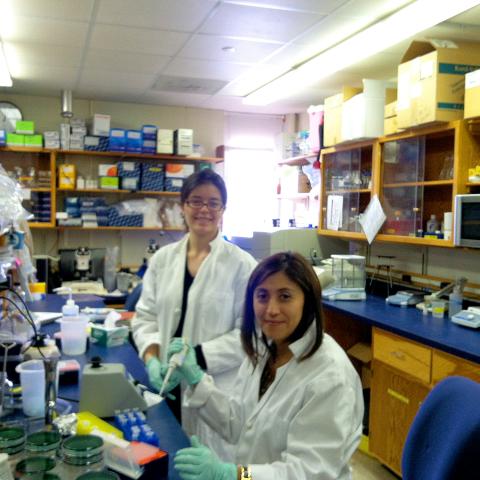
(5, 78)
(408, 21)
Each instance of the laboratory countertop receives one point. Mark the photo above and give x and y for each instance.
(159, 417)
(409, 322)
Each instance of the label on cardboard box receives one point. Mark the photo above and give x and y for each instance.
(472, 79)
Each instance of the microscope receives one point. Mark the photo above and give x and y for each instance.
(83, 262)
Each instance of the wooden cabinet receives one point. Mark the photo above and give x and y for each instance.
(445, 365)
(395, 399)
(416, 174)
(404, 372)
(347, 182)
(48, 196)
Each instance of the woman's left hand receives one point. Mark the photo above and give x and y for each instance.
(198, 462)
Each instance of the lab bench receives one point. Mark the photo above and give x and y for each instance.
(159, 417)
(411, 352)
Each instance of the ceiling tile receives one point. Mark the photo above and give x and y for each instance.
(109, 79)
(177, 99)
(261, 23)
(59, 9)
(107, 95)
(46, 55)
(50, 32)
(205, 69)
(209, 47)
(251, 80)
(180, 15)
(324, 7)
(56, 77)
(125, 61)
(153, 42)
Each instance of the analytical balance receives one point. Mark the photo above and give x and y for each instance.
(405, 298)
(468, 318)
(349, 274)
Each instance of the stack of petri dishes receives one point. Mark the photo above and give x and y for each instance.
(81, 454)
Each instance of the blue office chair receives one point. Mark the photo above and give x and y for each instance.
(443, 442)
(133, 297)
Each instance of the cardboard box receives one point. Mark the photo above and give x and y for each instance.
(67, 176)
(153, 177)
(164, 141)
(472, 94)
(332, 127)
(25, 127)
(107, 170)
(362, 352)
(183, 141)
(15, 140)
(109, 183)
(109, 337)
(34, 141)
(100, 125)
(390, 124)
(431, 84)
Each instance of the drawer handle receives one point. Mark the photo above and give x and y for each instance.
(397, 354)
(398, 396)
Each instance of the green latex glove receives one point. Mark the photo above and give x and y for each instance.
(189, 370)
(156, 374)
(198, 462)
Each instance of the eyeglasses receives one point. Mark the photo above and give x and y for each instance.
(197, 204)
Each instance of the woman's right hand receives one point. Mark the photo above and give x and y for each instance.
(189, 369)
(156, 375)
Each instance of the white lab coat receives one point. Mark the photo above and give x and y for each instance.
(213, 316)
(307, 424)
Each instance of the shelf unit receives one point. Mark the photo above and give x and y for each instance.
(415, 174)
(300, 161)
(46, 159)
(347, 172)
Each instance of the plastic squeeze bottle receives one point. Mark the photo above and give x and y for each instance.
(455, 301)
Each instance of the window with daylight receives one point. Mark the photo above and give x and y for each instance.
(249, 172)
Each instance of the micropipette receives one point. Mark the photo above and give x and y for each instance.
(176, 360)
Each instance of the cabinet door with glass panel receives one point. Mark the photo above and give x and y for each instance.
(417, 185)
(346, 188)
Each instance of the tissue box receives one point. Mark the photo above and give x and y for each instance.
(109, 337)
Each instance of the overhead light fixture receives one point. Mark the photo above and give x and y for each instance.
(66, 101)
(228, 49)
(5, 78)
(414, 18)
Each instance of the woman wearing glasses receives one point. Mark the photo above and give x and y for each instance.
(195, 288)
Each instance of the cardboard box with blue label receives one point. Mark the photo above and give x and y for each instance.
(117, 140)
(431, 81)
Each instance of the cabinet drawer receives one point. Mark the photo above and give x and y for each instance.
(407, 356)
(445, 365)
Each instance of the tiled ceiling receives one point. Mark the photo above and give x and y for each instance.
(202, 53)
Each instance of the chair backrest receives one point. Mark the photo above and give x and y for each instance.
(133, 297)
(443, 442)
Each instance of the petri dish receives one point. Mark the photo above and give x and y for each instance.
(12, 439)
(82, 450)
(34, 465)
(41, 442)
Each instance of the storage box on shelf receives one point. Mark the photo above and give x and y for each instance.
(346, 188)
(44, 161)
(431, 81)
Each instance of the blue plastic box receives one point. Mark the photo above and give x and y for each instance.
(117, 140)
(128, 169)
(149, 132)
(153, 175)
(134, 141)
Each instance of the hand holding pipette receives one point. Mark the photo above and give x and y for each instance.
(188, 368)
(176, 360)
